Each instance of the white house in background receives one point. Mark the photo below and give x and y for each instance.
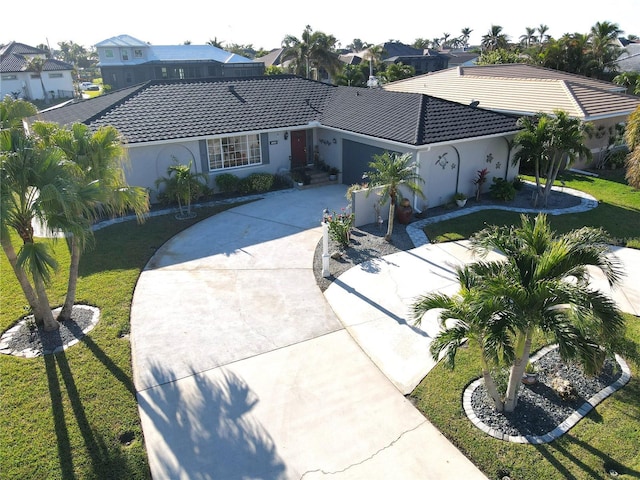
(520, 89)
(17, 80)
(278, 124)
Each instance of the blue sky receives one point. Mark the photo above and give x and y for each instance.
(265, 24)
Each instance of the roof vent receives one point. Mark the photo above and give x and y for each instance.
(474, 104)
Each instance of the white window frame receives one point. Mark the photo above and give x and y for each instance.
(234, 152)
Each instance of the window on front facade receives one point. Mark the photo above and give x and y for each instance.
(55, 75)
(125, 55)
(9, 77)
(233, 152)
(137, 53)
(108, 53)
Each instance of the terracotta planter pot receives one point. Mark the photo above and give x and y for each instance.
(403, 214)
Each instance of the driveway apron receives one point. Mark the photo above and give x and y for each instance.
(243, 370)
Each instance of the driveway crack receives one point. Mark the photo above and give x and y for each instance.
(371, 457)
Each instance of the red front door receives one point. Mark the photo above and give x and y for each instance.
(298, 149)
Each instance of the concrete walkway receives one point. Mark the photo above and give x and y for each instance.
(243, 370)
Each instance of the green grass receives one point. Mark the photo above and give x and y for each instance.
(609, 436)
(618, 212)
(63, 415)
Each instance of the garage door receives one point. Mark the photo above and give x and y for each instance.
(355, 160)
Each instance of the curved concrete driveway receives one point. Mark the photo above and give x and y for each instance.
(242, 369)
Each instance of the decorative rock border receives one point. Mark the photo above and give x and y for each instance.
(418, 237)
(31, 353)
(561, 429)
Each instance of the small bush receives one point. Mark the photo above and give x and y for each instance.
(340, 225)
(518, 183)
(227, 182)
(502, 190)
(256, 183)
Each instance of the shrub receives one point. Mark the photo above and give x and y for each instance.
(227, 182)
(502, 190)
(518, 183)
(340, 225)
(256, 183)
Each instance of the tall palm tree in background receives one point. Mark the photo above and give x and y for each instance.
(549, 143)
(313, 50)
(542, 33)
(96, 159)
(605, 51)
(36, 65)
(494, 39)
(390, 171)
(528, 38)
(466, 33)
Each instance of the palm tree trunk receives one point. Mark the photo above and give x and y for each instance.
(21, 275)
(490, 385)
(67, 308)
(50, 324)
(523, 348)
(392, 211)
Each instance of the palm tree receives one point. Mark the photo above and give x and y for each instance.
(466, 317)
(632, 139)
(602, 37)
(35, 185)
(543, 284)
(13, 111)
(445, 40)
(374, 55)
(390, 171)
(314, 49)
(528, 38)
(36, 65)
(466, 33)
(182, 185)
(101, 188)
(629, 80)
(542, 33)
(495, 39)
(550, 143)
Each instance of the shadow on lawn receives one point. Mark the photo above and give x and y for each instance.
(106, 462)
(608, 468)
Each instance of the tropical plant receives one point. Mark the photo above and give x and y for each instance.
(602, 37)
(182, 185)
(13, 111)
(481, 179)
(390, 171)
(464, 38)
(502, 189)
(549, 143)
(313, 50)
(96, 161)
(397, 71)
(35, 185)
(542, 33)
(632, 139)
(374, 55)
(498, 56)
(467, 317)
(36, 65)
(494, 39)
(339, 226)
(629, 80)
(528, 38)
(541, 284)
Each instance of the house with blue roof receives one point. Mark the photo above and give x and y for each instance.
(280, 123)
(125, 61)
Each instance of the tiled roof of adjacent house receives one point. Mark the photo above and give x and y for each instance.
(158, 111)
(14, 57)
(523, 89)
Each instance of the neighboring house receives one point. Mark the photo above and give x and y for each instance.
(17, 80)
(629, 60)
(125, 61)
(278, 123)
(521, 89)
(424, 61)
(461, 58)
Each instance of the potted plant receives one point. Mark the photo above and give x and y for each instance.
(460, 198)
(530, 374)
(404, 211)
(333, 173)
